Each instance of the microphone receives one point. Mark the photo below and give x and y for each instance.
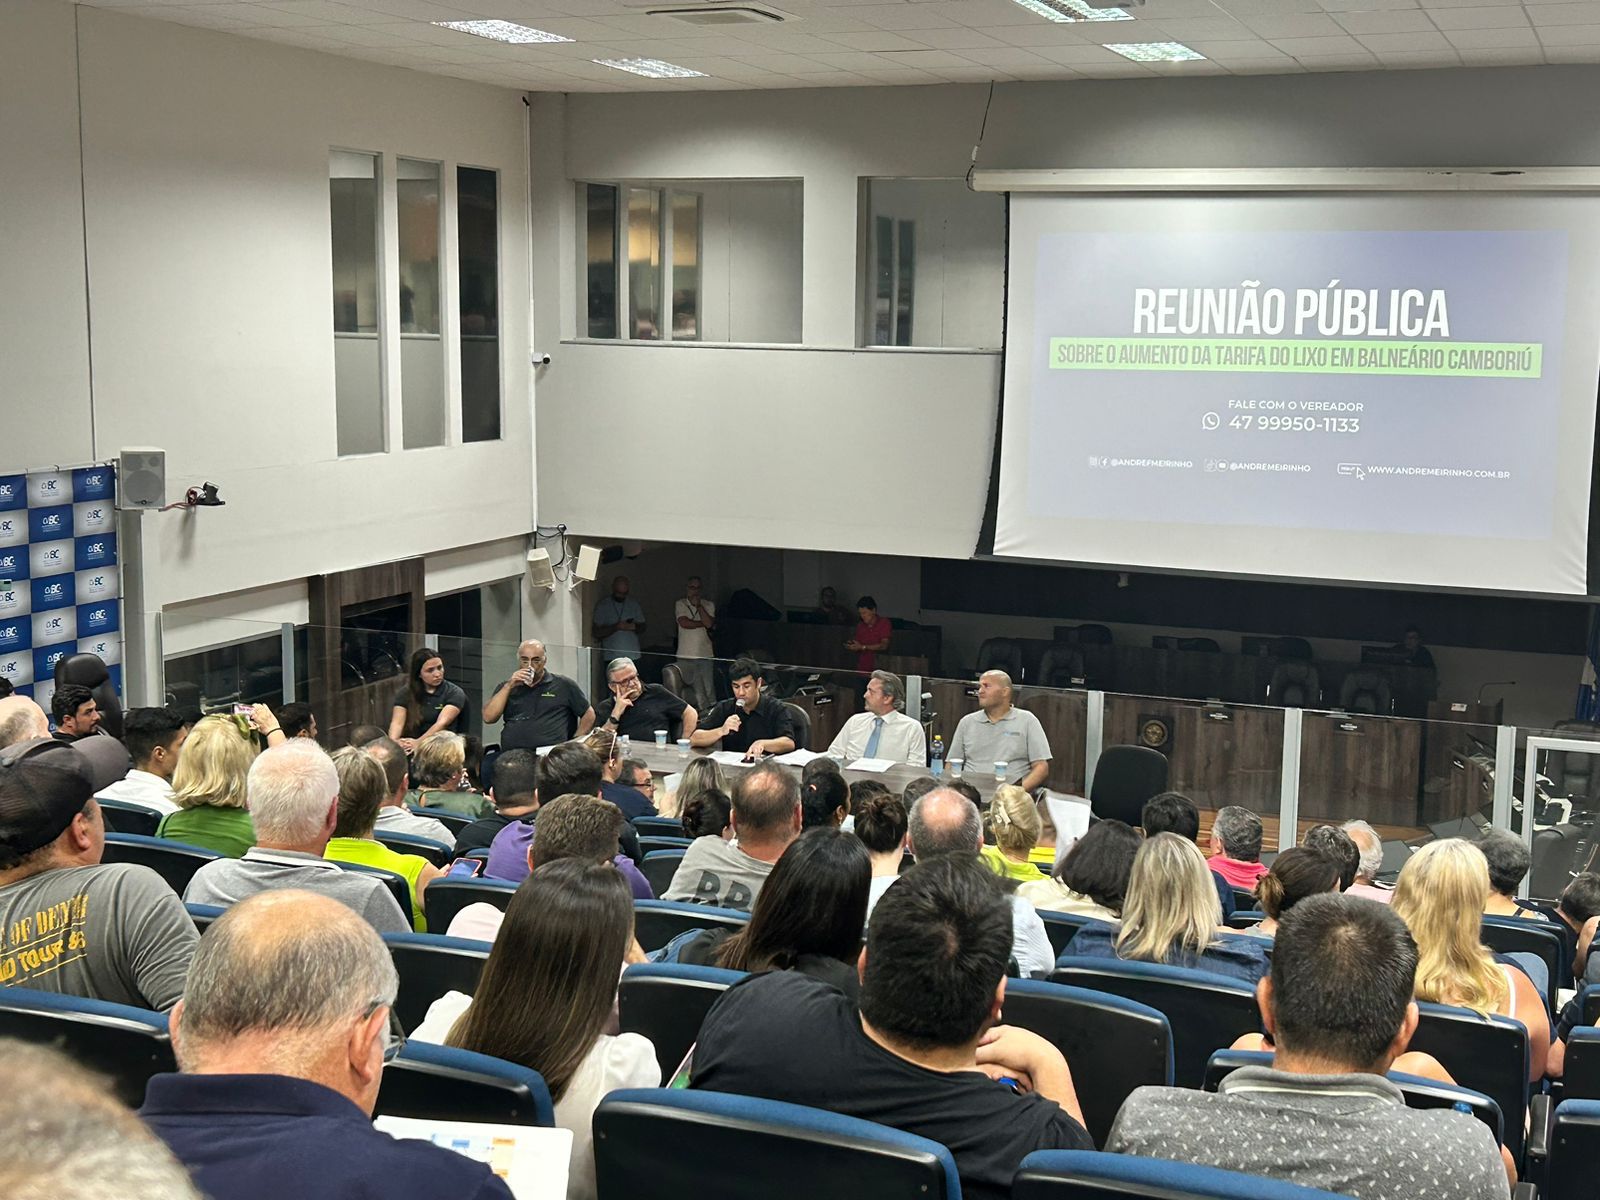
(1496, 683)
(739, 704)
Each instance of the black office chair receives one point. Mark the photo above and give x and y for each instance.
(441, 1083)
(1292, 647)
(129, 818)
(672, 679)
(397, 884)
(657, 922)
(658, 868)
(448, 896)
(1581, 1078)
(1061, 927)
(1517, 935)
(1243, 918)
(1201, 645)
(126, 1045)
(1124, 778)
(1366, 692)
(667, 1002)
(90, 671)
(454, 822)
(176, 862)
(430, 965)
(1118, 1043)
(436, 853)
(1206, 1012)
(1294, 685)
(1574, 775)
(1061, 666)
(1001, 654)
(1488, 1055)
(802, 725)
(1092, 635)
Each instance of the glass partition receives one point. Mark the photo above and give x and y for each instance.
(1555, 803)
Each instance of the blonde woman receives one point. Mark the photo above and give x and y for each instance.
(1170, 916)
(1440, 894)
(1014, 821)
(438, 768)
(699, 775)
(208, 787)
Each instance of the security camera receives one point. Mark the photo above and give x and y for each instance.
(204, 496)
(540, 360)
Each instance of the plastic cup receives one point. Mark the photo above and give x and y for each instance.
(1000, 769)
(683, 747)
(661, 737)
(953, 765)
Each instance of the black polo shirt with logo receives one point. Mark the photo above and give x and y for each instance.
(542, 715)
(770, 718)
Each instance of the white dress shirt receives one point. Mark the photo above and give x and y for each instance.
(902, 740)
(142, 788)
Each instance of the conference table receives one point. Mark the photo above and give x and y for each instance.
(666, 760)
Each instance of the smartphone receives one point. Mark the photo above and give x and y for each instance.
(244, 710)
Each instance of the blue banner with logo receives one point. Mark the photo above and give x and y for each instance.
(60, 593)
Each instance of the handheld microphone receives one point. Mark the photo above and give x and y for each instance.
(739, 704)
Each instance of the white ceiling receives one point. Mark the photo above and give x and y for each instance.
(844, 43)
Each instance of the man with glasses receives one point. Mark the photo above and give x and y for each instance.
(540, 709)
(286, 1023)
(637, 709)
(634, 775)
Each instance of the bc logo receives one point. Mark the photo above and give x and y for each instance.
(96, 548)
(98, 614)
(97, 514)
(52, 556)
(49, 485)
(7, 492)
(54, 623)
(53, 591)
(7, 526)
(98, 581)
(91, 481)
(50, 521)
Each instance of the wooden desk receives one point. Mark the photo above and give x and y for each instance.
(667, 761)
(1359, 766)
(1217, 754)
(1454, 784)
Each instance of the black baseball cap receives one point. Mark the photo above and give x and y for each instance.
(44, 783)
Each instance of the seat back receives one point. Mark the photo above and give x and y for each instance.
(446, 897)
(658, 826)
(440, 1083)
(802, 725)
(1092, 635)
(1060, 927)
(204, 915)
(657, 922)
(127, 1045)
(1574, 1150)
(1518, 935)
(667, 1002)
(658, 868)
(654, 842)
(1119, 1044)
(90, 671)
(1419, 1092)
(129, 818)
(1088, 1175)
(396, 883)
(1124, 778)
(454, 822)
(1365, 692)
(176, 862)
(1488, 1055)
(1243, 918)
(1295, 685)
(1206, 1012)
(672, 679)
(430, 965)
(668, 1144)
(1292, 647)
(436, 853)
(1581, 1079)
(1061, 666)
(1001, 654)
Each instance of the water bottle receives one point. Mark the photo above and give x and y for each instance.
(936, 765)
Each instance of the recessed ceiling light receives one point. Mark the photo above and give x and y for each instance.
(1072, 10)
(502, 31)
(650, 68)
(1155, 51)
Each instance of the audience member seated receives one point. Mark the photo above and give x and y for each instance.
(859, 792)
(1508, 861)
(1014, 821)
(573, 826)
(808, 916)
(154, 738)
(1577, 914)
(753, 721)
(881, 824)
(946, 822)
(698, 775)
(546, 994)
(1043, 854)
(362, 736)
(294, 796)
(1337, 845)
(439, 771)
(68, 923)
(631, 802)
(209, 788)
(569, 769)
(75, 712)
(362, 786)
(1170, 916)
(1370, 845)
(708, 814)
(638, 709)
(81, 1142)
(635, 773)
(925, 1053)
(1440, 895)
(883, 730)
(765, 819)
(514, 796)
(1297, 874)
(1236, 847)
(1338, 1007)
(1173, 812)
(824, 800)
(429, 703)
(297, 721)
(919, 787)
(21, 720)
(282, 1035)
(394, 816)
(1001, 732)
(1092, 880)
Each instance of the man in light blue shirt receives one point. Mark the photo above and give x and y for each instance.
(618, 622)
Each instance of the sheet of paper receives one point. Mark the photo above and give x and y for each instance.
(797, 758)
(532, 1161)
(876, 765)
(670, 783)
(1070, 816)
(729, 758)
(543, 750)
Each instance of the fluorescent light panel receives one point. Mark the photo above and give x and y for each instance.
(650, 68)
(1155, 51)
(1072, 10)
(502, 31)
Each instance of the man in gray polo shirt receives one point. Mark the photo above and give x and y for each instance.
(294, 804)
(999, 732)
(1338, 1007)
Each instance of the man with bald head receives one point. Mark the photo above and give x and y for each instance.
(540, 709)
(1000, 732)
(282, 1034)
(944, 821)
(21, 720)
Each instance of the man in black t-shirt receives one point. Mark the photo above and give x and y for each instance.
(925, 1054)
(637, 709)
(540, 709)
(752, 721)
(514, 796)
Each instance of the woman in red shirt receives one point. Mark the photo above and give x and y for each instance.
(872, 634)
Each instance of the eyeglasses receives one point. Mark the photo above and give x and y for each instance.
(394, 1037)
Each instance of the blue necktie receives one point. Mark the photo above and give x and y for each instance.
(872, 742)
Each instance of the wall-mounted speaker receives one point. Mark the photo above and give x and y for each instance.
(588, 563)
(141, 477)
(539, 572)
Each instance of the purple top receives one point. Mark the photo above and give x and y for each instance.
(508, 860)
